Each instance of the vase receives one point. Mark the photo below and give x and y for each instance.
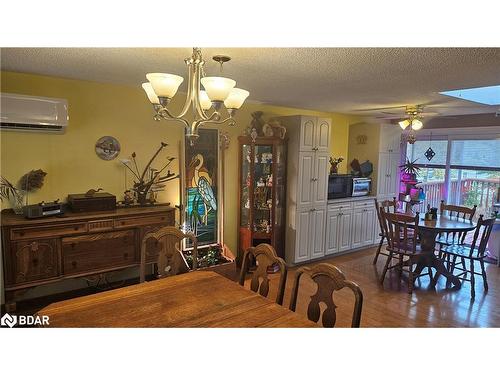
(18, 203)
(334, 169)
(142, 198)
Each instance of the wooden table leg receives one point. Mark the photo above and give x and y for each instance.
(428, 258)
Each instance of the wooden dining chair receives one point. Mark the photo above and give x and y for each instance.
(265, 257)
(457, 254)
(454, 212)
(328, 279)
(386, 205)
(170, 259)
(402, 244)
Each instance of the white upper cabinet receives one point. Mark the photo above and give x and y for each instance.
(322, 134)
(315, 134)
(390, 138)
(387, 177)
(307, 133)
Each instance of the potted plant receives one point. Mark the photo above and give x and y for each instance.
(409, 170)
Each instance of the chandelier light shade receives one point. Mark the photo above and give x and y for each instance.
(416, 124)
(206, 105)
(153, 98)
(404, 124)
(217, 88)
(205, 100)
(236, 98)
(164, 85)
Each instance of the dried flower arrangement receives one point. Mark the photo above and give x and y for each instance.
(334, 164)
(28, 183)
(151, 179)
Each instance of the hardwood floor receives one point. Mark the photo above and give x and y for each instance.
(391, 306)
(384, 306)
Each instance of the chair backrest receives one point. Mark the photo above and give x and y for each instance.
(170, 258)
(402, 231)
(328, 279)
(482, 233)
(265, 257)
(386, 205)
(460, 212)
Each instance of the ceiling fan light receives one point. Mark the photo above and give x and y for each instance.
(164, 85)
(217, 88)
(205, 102)
(416, 124)
(153, 98)
(404, 124)
(236, 98)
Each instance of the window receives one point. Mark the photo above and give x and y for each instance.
(464, 171)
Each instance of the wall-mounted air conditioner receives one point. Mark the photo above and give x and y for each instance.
(33, 113)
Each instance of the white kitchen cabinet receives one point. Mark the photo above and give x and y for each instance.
(320, 179)
(314, 134)
(317, 232)
(345, 229)
(388, 161)
(308, 134)
(303, 236)
(307, 187)
(390, 138)
(332, 245)
(388, 172)
(322, 134)
(306, 180)
(338, 228)
(363, 224)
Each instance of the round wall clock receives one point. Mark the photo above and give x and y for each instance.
(107, 147)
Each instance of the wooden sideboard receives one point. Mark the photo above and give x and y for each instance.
(47, 250)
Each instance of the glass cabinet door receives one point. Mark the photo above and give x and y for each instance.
(263, 188)
(245, 184)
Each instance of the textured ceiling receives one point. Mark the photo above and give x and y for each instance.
(348, 80)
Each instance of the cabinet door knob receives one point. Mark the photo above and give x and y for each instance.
(73, 263)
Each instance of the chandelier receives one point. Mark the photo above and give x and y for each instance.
(414, 119)
(206, 105)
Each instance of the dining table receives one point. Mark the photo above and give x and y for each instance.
(195, 299)
(429, 231)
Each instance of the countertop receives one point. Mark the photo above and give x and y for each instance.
(351, 199)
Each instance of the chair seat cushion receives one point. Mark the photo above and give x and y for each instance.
(461, 250)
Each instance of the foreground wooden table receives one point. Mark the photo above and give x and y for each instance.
(195, 299)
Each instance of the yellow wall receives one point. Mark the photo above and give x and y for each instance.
(98, 109)
(368, 151)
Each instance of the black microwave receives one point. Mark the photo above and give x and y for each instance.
(339, 186)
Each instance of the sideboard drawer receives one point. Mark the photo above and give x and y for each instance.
(93, 252)
(128, 222)
(47, 231)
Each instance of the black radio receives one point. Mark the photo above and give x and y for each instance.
(43, 209)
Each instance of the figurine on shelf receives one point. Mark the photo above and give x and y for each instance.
(261, 182)
(248, 179)
(270, 180)
(128, 197)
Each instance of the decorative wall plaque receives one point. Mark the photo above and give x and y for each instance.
(107, 147)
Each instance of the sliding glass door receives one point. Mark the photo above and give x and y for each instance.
(465, 169)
